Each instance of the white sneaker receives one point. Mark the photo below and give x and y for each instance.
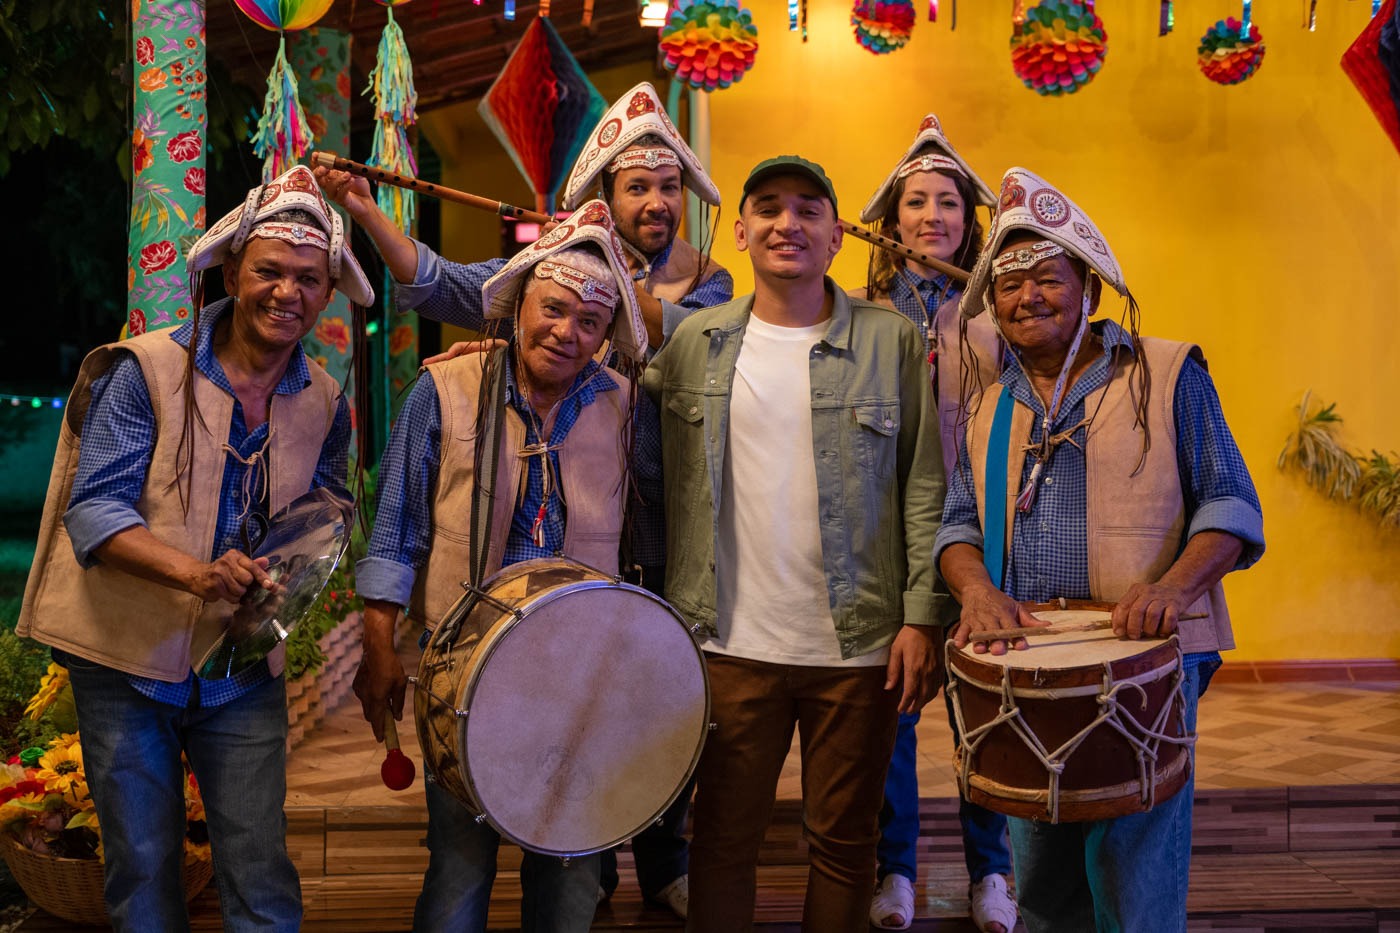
(992, 904)
(676, 896)
(893, 906)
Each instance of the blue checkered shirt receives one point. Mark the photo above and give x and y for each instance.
(118, 438)
(1049, 554)
(450, 292)
(398, 547)
(918, 298)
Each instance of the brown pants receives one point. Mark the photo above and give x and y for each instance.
(846, 726)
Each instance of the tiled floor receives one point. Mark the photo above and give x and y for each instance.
(1251, 735)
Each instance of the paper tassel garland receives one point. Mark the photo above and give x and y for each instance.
(395, 110)
(283, 136)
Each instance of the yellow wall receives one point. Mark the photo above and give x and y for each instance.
(1261, 221)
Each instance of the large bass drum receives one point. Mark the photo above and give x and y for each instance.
(566, 708)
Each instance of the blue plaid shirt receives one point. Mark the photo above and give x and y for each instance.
(450, 292)
(118, 438)
(1049, 554)
(918, 298)
(398, 547)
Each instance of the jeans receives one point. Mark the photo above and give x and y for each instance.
(1123, 875)
(131, 753)
(985, 848)
(556, 898)
(660, 853)
(846, 724)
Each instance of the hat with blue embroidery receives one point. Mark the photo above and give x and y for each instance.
(1030, 203)
(930, 152)
(612, 147)
(584, 255)
(294, 189)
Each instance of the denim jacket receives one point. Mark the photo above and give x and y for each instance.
(876, 447)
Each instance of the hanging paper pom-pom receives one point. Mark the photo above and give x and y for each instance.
(283, 135)
(1227, 55)
(710, 45)
(882, 26)
(1059, 47)
(287, 15)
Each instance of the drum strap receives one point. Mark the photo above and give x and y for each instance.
(493, 415)
(998, 449)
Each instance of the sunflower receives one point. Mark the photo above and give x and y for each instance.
(61, 770)
(50, 687)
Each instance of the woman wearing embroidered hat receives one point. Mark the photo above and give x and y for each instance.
(577, 440)
(184, 441)
(929, 203)
(1122, 483)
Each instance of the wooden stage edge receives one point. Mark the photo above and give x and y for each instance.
(1263, 859)
(1352, 670)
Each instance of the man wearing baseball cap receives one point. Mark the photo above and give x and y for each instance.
(803, 488)
(176, 447)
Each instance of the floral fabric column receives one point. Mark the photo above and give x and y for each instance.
(167, 159)
(321, 60)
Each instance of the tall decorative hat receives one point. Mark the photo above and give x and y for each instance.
(294, 189)
(930, 152)
(590, 224)
(635, 114)
(1031, 203)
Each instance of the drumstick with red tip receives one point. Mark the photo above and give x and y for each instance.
(1094, 625)
(397, 771)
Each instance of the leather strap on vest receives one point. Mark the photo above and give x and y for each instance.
(483, 495)
(998, 445)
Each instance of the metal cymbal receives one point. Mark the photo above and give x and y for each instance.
(304, 543)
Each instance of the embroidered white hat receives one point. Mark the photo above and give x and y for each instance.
(932, 151)
(294, 189)
(591, 223)
(635, 114)
(1031, 203)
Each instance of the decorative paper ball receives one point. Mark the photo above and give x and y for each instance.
(288, 15)
(1227, 55)
(710, 45)
(1059, 48)
(882, 26)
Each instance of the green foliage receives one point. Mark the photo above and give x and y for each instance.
(62, 74)
(304, 654)
(22, 665)
(1371, 483)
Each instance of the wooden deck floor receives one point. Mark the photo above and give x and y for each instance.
(1297, 826)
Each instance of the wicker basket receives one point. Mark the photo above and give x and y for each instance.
(71, 888)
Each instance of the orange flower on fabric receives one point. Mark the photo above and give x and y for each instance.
(400, 340)
(141, 158)
(333, 332)
(152, 79)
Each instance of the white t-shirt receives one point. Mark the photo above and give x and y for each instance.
(772, 596)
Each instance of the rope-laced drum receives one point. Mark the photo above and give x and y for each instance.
(1079, 726)
(565, 708)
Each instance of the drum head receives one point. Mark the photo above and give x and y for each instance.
(304, 544)
(586, 718)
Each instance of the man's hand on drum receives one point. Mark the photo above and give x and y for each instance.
(1149, 609)
(988, 609)
(915, 666)
(380, 681)
(462, 348)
